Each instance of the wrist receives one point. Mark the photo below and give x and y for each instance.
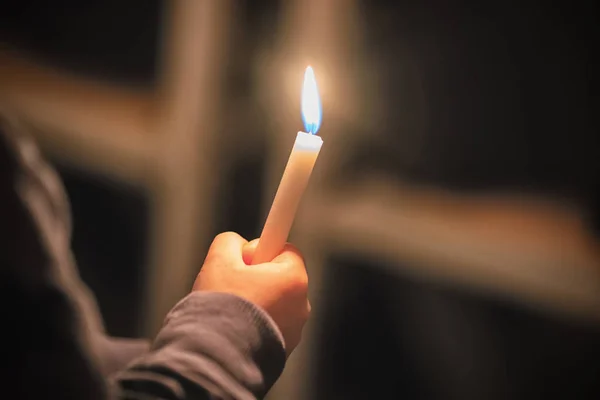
(230, 330)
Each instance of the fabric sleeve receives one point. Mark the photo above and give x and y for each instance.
(213, 343)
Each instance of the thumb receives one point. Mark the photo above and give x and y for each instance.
(227, 245)
(248, 251)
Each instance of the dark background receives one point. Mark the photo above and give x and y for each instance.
(486, 57)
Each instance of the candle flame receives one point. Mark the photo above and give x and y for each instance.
(311, 102)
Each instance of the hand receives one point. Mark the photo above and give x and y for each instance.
(279, 287)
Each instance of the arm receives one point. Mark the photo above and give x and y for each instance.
(223, 339)
(211, 343)
(49, 318)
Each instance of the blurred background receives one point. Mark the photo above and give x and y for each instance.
(461, 150)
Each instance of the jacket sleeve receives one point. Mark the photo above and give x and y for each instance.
(211, 343)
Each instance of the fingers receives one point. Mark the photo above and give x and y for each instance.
(231, 246)
(290, 255)
(227, 246)
(248, 251)
(293, 261)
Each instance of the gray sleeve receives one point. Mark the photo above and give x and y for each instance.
(213, 343)
(49, 316)
(117, 353)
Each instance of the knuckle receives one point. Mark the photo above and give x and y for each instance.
(295, 251)
(302, 275)
(291, 247)
(213, 258)
(298, 284)
(225, 235)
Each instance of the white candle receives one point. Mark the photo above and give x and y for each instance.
(295, 177)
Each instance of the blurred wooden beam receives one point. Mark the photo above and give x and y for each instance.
(196, 39)
(532, 251)
(94, 125)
